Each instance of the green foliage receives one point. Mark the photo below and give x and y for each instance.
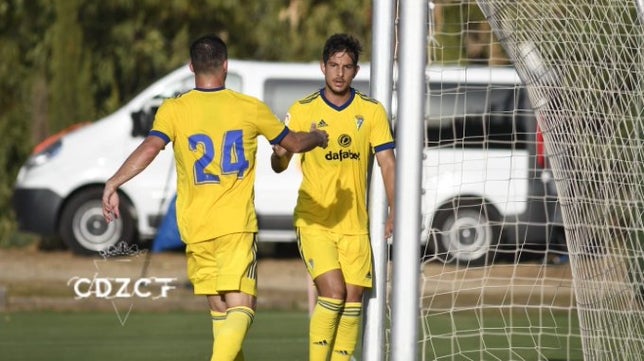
(70, 101)
(462, 34)
(21, 46)
(297, 31)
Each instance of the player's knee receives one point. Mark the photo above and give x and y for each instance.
(331, 285)
(354, 293)
(336, 293)
(239, 299)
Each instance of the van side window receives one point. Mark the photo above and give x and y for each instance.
(280, 94)
(472, 116)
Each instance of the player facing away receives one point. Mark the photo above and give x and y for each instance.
(331, 212)
(214, 133)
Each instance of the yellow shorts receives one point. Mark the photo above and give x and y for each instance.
(323, 251)
(226, 263)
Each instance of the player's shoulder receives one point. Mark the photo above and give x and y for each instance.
(182, 94)
(245, 101)
(241, 97)
(309, 98)
(365, 98)
(178, 97)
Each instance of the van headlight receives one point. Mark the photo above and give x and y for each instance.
(44, 155)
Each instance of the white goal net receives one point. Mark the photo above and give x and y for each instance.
(533, 187)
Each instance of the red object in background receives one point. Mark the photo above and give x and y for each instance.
(541, 157)
(54, 137)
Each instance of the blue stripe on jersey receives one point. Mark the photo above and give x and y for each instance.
(281, 136)
(157, 133)
(390, 145)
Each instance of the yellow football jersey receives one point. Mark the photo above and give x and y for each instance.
(214, 137)
(332, 195)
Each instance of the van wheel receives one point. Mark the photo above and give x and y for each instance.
(83, 228)
(466, 233)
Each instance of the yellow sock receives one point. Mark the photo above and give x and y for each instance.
(218, 319)
(346, 337)
(229, 332)
(324, 321)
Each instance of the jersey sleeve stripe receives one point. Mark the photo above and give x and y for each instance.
(281, 136)
(157, 133)
(390, 145)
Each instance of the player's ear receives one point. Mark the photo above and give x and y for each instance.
(323, 67)
(356, 72)
(190, 66)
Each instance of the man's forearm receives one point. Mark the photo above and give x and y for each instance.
(142, 156)
(300, 142)
(387, 162)
(127, 171)
(306, 141)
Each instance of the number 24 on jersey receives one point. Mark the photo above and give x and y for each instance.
(233, 158)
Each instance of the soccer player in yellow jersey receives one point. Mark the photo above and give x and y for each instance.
(214, 133)
(331, 212)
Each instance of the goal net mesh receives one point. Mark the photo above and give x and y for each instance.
(500, 279)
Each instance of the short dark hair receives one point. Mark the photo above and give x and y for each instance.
(337, 43)
(208, 53)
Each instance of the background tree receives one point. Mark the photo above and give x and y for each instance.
(22, 50)
(71, 102)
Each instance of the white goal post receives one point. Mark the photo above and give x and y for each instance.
(563, 141)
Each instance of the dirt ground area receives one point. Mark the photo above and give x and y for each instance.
(32, 279)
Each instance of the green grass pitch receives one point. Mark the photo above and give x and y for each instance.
(144, 336)
(275, 335)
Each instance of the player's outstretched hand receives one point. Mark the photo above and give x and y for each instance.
(110, 205)
(323, 135)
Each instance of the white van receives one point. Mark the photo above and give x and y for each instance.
(58, 190)
(486, 182)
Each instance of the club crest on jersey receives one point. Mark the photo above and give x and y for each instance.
(359, 121)
(322, 124)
